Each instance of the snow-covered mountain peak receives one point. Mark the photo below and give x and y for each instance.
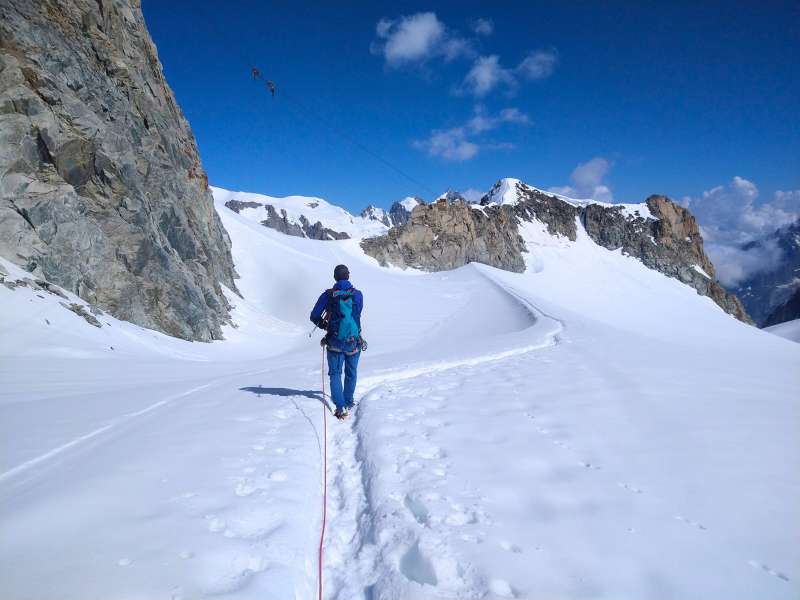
(375, 213)
(410, 202)
(503, 192)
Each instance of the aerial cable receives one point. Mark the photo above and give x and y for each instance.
(273, 89)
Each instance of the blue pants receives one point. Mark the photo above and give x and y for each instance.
(336, 360)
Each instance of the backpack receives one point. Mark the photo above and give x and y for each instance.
(342, 325)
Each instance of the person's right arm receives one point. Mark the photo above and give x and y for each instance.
(319, 308)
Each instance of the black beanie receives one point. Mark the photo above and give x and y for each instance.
(341, 272)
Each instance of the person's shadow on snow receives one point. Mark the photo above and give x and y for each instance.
(259, 391)
(284, 392)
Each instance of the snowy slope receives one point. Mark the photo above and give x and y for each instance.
(789, 330)
(589, 428)
(314, 209)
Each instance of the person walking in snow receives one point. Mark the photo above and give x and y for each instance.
(338, 311)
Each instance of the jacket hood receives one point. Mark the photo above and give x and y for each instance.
(343, 284)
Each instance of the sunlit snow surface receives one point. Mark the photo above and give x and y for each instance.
(587, 429)
(789, 330)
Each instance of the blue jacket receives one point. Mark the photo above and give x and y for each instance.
(322, 303)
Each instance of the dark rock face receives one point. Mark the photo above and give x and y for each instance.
(318, 231)
(444, 236)
(399, 214)
(101, 187)
(280, 222)
(559, 216)
(765, 293)
(237, 205)
(788, 311)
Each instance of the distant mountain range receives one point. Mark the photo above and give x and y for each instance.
(105, 195)
(772, 295)
(451, 231)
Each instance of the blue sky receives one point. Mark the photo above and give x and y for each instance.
(617, 100)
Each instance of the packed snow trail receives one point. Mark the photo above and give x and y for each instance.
(356, 559)
(589, 428)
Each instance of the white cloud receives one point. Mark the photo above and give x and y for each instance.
(461, 143)
(482, 121)
(483, 26)
(734, 264)
(487, 73)
(587, 181)
(420, 38)
(449, 144)
(456, 47)
(539, 64)
(730, 216)
(587, 176)
(416, 39)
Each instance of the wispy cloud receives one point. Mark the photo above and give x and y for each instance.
(587, 181)
(539, 64)
(487, 73)
(462, 143)
(483, 26)
(730, 216)
(417, 38)
(449, 144)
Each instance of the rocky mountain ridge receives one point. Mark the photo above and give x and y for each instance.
(101, 187)
(446, 235)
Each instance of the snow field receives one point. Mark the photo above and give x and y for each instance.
(589, 428)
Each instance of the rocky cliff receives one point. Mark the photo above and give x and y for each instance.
(446, 235)
(400, 211)
(101, 187)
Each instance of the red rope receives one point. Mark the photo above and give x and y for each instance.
(324, 475)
